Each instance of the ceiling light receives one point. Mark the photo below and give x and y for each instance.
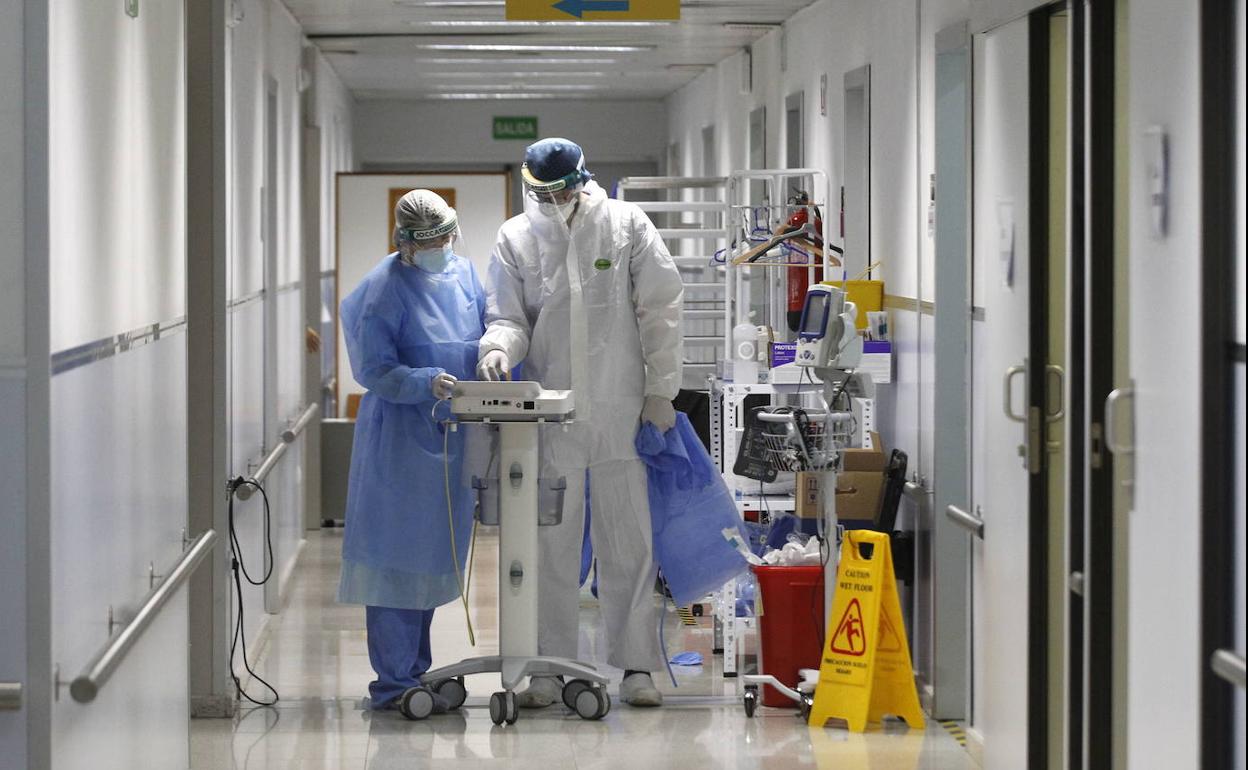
(527, 61)
(451, 3)
(473, 24)
(751, 26)
(512, 74)
(509, 87)
(537, 49)
(476, 95)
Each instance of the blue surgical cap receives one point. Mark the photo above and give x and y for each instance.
(551, 160)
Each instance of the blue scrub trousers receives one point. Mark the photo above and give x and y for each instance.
(398, 648)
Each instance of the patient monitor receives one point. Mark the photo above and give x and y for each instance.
(828, 336)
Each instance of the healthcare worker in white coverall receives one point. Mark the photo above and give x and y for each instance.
(583, 292)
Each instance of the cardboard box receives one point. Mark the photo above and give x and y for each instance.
(809, 494)
(872, 459)
(860, 484)
(781, 353)
(858, 495)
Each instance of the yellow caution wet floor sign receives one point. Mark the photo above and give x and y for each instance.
(865, 672)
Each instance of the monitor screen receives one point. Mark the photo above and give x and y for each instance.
(814, 318)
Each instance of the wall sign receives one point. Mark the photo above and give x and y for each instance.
(512, 127)
(593, 10)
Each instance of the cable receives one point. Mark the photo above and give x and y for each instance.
(239, 569)
(667, 658)
(450, 520)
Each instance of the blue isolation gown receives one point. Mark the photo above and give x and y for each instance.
(404, 326)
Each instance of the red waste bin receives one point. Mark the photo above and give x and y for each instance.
(790, 625)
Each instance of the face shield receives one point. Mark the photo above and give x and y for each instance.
(556, 199)
(429, 248)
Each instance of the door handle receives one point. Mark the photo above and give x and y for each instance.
(10, 696)
(1124, 450)
(1053, 371)
(1112, 440)
(1229, 666)
(1008, 400)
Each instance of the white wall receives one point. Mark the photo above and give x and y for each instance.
(14, 663)
(409, 134)
(118, 424)
(1164, 556)
(832, 38)
(266, 316)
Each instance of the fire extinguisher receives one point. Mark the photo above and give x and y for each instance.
(798, 280)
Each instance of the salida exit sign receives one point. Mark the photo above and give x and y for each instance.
(513, 127)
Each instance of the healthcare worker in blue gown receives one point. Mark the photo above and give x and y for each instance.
(411, 329)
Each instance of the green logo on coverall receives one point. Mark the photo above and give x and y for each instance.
(603, 264)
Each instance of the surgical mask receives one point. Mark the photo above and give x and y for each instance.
(559, 211)
(433, 260)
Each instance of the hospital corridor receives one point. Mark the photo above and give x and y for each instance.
(622, 384)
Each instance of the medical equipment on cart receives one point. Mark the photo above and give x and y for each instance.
(511, 401)
(518, 409)
(828, 334)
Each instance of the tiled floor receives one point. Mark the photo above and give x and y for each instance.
(317, 659)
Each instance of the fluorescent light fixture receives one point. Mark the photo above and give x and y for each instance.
(511, 75)
(534, 48)
(751, 26)
(474, 95)
(488, 87)
(451, 3)
(527, 61)
(476, 23)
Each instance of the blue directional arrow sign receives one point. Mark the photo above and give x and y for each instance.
(578, 8)
(593, 10)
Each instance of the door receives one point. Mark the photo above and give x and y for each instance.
(1002, 257)
(1050, 334)
(951, 544)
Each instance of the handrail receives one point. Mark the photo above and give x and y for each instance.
(245, 491)
(1229, 666)
(965, 520)
(10, 696)
(292, 432)
(96, 674)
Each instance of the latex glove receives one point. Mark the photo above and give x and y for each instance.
(494, 366)
(443, 384)
(659, 412)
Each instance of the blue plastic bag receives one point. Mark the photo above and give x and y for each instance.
(690, 506)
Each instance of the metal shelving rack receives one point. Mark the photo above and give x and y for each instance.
(700, 223)
(771, 187)
(719, 292)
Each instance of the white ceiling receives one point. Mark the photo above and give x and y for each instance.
(413, 49)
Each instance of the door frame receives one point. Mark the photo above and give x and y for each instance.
(1218, 352)
(1099, 525)
(1039, 42)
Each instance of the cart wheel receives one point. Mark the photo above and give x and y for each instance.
(513, 711)
(416, 703)
(750, 699)
(807, 703)
(498, 707)
(573, 689)
(592, 703)
(453, 691)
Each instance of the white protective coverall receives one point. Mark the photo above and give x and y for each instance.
(613, 334)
